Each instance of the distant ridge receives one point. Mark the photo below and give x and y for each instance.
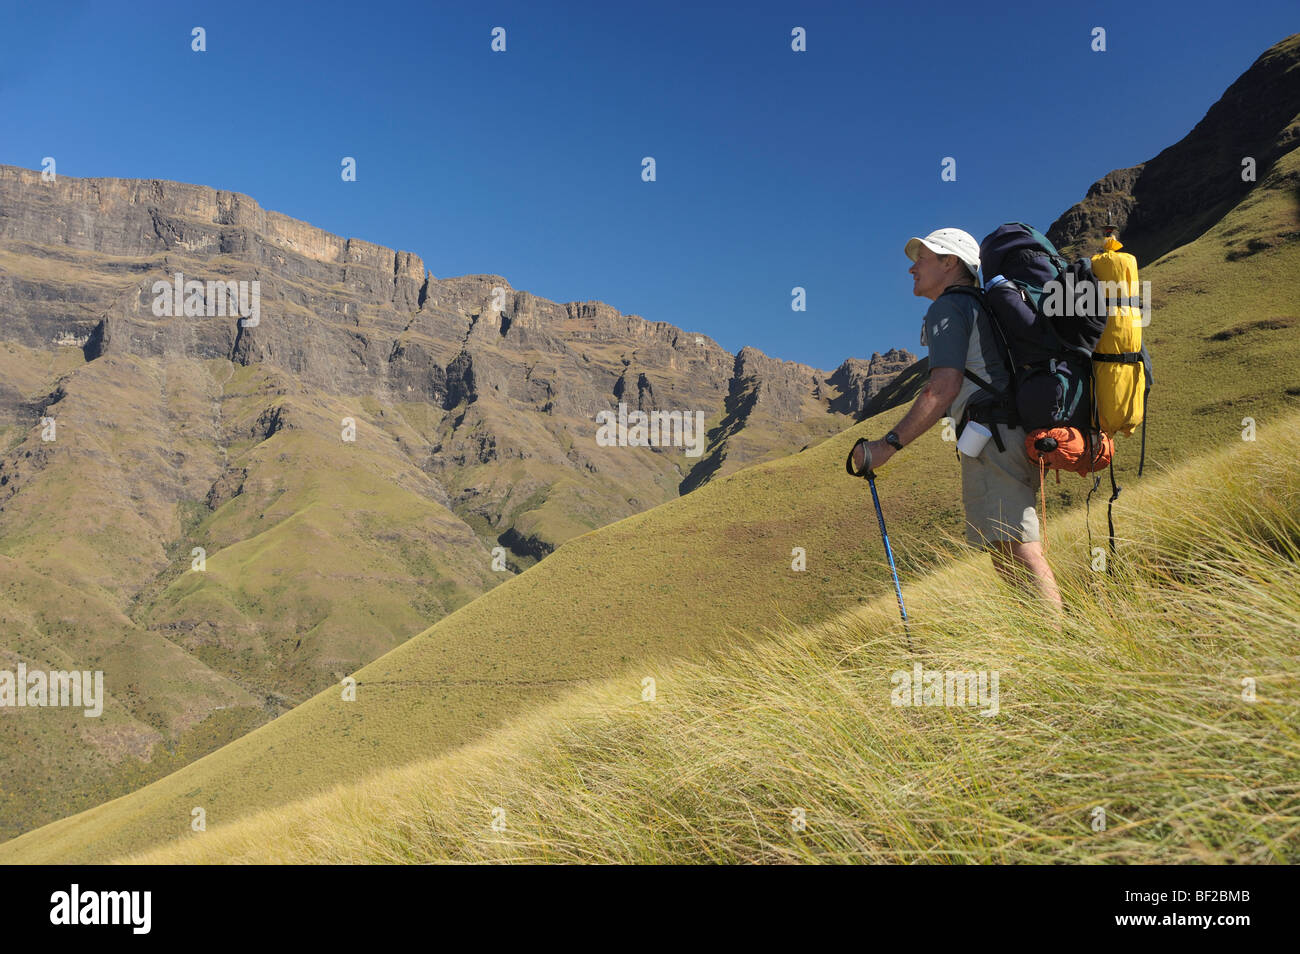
(1172, 199)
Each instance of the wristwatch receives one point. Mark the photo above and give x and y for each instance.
(892, 439)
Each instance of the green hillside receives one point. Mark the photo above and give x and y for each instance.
(648, 590)
(1158, 727)
(96, 566)
(644, 589)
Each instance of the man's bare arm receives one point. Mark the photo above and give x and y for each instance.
(931, 404)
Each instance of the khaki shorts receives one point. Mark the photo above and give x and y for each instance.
(998, 490)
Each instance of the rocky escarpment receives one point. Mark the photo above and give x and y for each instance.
(1172, 199)
(85, 262)
(860, 381)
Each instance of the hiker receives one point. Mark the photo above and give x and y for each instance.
(998, 484)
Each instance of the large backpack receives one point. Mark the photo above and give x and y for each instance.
(1073, 348)
(1048, 314)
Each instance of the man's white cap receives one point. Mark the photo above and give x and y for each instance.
(948, 242)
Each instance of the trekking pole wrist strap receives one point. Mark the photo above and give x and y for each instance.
(848, 462)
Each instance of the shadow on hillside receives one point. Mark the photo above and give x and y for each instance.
(905, 386)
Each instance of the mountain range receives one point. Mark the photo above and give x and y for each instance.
(371, 450)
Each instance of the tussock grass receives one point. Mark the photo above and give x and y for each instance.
(1136, 708)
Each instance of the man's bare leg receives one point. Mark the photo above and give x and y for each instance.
(1014, 560)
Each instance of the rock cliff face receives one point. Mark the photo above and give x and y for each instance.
(1172, 199)
(349, 318)
(859, 382)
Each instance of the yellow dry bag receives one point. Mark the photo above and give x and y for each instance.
(1120, 366)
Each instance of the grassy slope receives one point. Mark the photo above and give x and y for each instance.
(319, 517)
(194, 660)
(1137, 708)
(648, 588)
(64, 565)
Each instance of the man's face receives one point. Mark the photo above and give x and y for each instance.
(930, 275)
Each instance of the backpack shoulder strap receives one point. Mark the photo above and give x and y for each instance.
(999, 336)
(973, 291)
(971, 375)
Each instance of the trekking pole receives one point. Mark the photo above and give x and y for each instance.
(868, 473)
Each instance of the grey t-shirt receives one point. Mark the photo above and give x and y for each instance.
(958, 332)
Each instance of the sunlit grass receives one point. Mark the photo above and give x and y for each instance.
(1137, 710)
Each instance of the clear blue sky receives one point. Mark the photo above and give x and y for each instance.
(775, 168)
